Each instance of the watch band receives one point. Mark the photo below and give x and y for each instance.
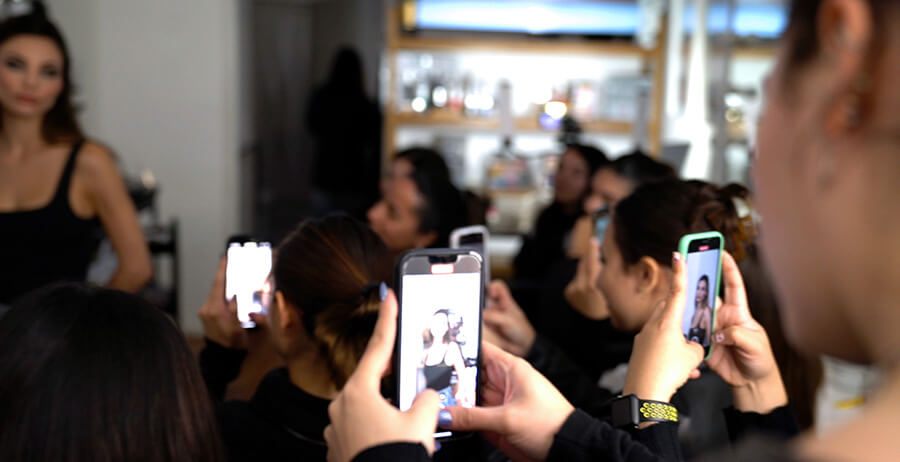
(631, 411)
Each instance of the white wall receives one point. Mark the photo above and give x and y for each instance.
(158, 83)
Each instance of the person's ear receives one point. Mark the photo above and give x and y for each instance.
(648, 274)
(288, 316)
(845, 31)
(424, 240)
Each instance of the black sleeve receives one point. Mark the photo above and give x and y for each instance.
(583, 438)
(407, 452)
(569, 378)
(779, 424)
(219, 366)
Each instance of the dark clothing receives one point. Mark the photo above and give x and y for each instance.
(46, 245)
(546, 245)
(438, 376)
(346, 126)
(583, 438)
(569, 378)
(283, 422)
(594, 345)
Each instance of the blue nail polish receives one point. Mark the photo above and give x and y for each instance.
(444, 419)
(437, 446)
(383, 291)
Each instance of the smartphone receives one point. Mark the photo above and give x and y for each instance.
(247, 276)
(600, 218)
(441, 293)
(703, 254)
(474, 238)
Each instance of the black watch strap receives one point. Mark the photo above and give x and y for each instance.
(631, 411)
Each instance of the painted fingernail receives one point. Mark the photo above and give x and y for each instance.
(676, 256)
(383, 291)
(437, 446)
(720, 337)
(444, 419)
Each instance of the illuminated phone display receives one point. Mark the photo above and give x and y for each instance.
(439, 330)
(247, 278)
(704, 263)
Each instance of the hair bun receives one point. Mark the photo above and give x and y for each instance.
(729, 210)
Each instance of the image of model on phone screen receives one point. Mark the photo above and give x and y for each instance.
(443, 366)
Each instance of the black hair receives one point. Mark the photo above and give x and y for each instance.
(100, 375)
(593, 157)
(443, 208)
(651, 221)
(639, 169)
(60, 123)
(705, 278)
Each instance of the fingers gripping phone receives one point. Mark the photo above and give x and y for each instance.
(441, 293)
(703, 252)
(248, 266)
(474, 238)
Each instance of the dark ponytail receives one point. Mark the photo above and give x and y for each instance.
(330, 269)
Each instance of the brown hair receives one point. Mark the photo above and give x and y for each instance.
(60, 123)
(100, 375)
(329, 269)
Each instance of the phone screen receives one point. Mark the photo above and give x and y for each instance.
(601, 222)
(247, 278)
(703, 260)
(474, 241)
(440, 328)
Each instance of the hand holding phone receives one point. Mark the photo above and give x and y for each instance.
(743, 355)
(219, 316)
(441, 299)
(360, 417)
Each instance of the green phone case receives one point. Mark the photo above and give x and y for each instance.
(683, 246)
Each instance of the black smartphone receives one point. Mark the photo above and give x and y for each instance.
(600, 219)
(247, 271)
(441, 294)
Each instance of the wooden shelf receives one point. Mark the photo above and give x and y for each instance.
(523, 44)
(448, 119)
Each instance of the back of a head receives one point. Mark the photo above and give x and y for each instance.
(640, 169)
(330, 269)
(100, 375)
(652, 220)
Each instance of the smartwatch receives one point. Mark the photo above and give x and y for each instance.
(631, 411)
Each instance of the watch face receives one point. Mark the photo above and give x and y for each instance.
(625, 411)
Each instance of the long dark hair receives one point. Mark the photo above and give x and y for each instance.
(329, 269)
(60, 123)
(705, 278)
(100, 375)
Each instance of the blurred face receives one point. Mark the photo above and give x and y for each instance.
(571, 178)
(628, 309)
(399, 168)
(439, 326)
(609, 187)
(702, 292)
(395, 217)
(31, 75)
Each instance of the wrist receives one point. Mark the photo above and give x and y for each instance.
(761, 396)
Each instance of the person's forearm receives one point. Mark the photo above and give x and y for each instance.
(130, 279)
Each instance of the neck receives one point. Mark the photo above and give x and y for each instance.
(21, 134)
(309, 372)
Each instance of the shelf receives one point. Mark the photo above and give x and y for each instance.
(524, 44)
(448, 119)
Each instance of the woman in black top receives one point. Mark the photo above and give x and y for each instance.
(57, 189)
(826, 174)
